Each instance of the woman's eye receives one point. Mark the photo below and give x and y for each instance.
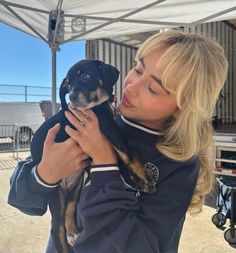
(152, 91)
(138, 71)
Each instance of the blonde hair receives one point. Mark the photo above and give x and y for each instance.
(195, 70)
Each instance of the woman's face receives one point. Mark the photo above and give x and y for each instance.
(144, 99)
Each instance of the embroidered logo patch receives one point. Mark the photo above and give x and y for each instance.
(152, 169)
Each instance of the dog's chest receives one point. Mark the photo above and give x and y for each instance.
(68, 183)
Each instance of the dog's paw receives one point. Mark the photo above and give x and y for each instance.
(147, 184)
(71, 238)
(144, 180)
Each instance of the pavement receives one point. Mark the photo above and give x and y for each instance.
(21, 233)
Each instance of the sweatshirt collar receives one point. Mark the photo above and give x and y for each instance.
(140, 127)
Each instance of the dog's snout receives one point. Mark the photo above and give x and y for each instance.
(73, 97)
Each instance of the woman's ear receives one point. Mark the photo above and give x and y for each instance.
(176, 113)
(172, 119)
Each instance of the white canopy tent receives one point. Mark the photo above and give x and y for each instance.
(60, 21)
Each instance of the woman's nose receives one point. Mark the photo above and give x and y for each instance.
(134, 85)
(131, 88)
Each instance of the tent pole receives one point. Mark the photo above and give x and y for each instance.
(54, 79)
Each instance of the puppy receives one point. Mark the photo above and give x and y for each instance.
(89, 84)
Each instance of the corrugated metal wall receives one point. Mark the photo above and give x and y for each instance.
(122, 56)
(226, 37)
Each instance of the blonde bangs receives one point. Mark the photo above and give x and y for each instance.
(182, 65)
(149, 45)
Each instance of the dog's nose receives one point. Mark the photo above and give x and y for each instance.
(73, 97)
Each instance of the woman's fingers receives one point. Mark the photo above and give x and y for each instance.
(88, 135)
(89, 113)
(85, 115)
(74, 120)
(52, 133)
(82, 121)
(74, 134)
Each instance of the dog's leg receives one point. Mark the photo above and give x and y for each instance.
(57, 208)
(72, 231)
(143, 179)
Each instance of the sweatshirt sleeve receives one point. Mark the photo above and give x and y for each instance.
(114, 219)
(28, 192)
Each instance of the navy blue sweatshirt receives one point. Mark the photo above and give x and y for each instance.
(113, 217)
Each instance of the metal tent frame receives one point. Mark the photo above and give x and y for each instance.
(56, 26)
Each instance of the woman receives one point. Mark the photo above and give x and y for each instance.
(166, 109)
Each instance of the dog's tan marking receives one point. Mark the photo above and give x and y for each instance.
(134, 165)
(69, 220)
(62, 230)
(64, 246)
(72, 232)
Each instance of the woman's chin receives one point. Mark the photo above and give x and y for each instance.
(126, 113)
(123, 110)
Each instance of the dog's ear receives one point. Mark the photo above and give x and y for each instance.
(110, 75)
(62, 93)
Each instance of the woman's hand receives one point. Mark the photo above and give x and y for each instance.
(89, 136)
(60, 160)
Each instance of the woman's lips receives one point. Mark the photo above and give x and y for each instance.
(125, 101)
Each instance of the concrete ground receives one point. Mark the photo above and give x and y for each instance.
(20, 233)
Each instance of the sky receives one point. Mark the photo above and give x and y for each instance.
(26, 60)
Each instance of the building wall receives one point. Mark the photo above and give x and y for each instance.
(122, 56)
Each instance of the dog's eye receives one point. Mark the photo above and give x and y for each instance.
(85, 77)
(67, 81)
(95, 99)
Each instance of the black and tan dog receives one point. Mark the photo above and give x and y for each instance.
(89, 84)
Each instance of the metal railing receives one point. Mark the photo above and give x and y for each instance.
(24, 93)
